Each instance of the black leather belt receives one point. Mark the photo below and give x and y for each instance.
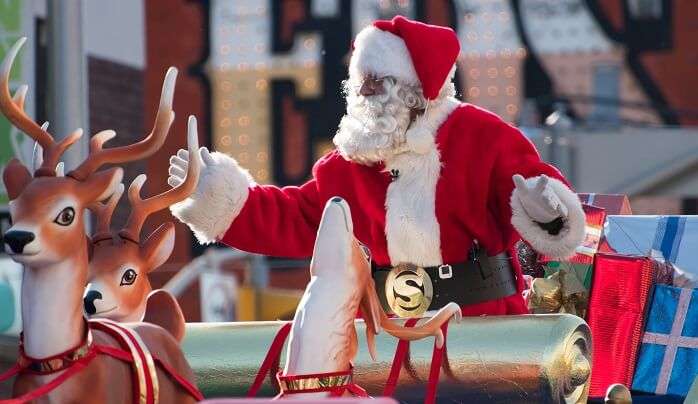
(408, 291)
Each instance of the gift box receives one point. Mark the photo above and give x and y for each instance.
(670, 239)
(581, 263)
(692, 396)
(620, 289)
(561, 292)
(564, 287)
(584, 254)
(582, 272)
(668, 359)
(614, 204)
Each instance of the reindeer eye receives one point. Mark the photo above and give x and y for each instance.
(66, 217)
(128, 277)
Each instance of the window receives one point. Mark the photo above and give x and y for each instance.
(645, 9)
(606, 95)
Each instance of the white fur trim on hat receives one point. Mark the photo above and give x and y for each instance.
(559, 246)
(219, 197)
(380, 53)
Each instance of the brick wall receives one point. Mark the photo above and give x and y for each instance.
(116, 102)
(176, 35)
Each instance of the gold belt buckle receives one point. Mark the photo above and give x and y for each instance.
(408, 290)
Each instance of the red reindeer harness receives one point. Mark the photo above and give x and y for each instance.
(71, 362)
(337, 383)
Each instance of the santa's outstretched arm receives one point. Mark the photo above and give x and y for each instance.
(548, 215)
(228, 206)
(544, 210)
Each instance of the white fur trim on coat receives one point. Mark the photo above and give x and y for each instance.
(219, 197)
(381, 53)
(411, 228)
(420, 137)
(571, 236)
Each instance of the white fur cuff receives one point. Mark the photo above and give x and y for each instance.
(571, 236)
(219, 197)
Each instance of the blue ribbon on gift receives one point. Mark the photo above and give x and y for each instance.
(669, 235)
(669, 324)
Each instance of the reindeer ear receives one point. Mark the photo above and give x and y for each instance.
(159, 245)
(16, 177)
(162, 309)
(101, 185)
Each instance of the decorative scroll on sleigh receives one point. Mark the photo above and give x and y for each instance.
(532, 358)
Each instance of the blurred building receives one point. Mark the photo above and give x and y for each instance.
(264, 78)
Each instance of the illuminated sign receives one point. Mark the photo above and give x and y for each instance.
(276, 68)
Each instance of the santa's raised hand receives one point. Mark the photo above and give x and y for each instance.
(215, 189)
(180, 162)
(538, 199)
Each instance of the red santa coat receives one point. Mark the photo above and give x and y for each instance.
(458, 191)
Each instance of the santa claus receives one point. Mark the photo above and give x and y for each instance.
(439, 189)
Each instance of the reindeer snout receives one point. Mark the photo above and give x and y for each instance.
(89, 301)
(18, 239)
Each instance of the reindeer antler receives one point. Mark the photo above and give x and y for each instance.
(13, 108)
(141, 208)
(103, 213)
(146, 147)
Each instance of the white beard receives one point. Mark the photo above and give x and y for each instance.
(374, 127)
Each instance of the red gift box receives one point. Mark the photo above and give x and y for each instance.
(584, 254)
(620, 293)
(614, 204)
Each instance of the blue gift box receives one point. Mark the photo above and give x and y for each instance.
(674, 238)
(668, 359)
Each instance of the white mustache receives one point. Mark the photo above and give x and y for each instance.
(374, 127)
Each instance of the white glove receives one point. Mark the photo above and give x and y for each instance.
(538, 199)
(179, 163)
(220, 194)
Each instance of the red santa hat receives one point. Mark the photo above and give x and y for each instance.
(410, 51)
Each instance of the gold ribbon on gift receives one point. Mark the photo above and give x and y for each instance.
(561, 292)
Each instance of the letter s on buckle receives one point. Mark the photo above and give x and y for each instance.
(445, 272)
(408, 290)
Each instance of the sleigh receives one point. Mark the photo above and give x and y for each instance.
(547, 359)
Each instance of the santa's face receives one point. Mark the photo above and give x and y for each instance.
(374, 126)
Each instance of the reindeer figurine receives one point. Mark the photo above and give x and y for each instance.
(62, 357)
(323, 339)
(118, 286)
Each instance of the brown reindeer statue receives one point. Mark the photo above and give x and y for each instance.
(62, 357)
(118, 285)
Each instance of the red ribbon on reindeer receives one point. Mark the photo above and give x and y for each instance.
(73, 361)
(401, 353)
(271, 360)
(335, 383)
